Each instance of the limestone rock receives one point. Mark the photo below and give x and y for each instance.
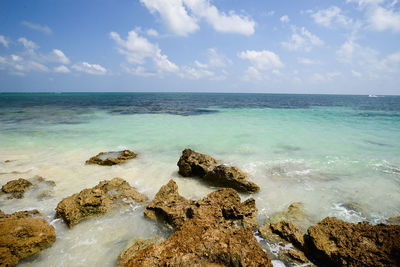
(290, 232)
(97, 200)
(192, 163)
(111, 158)
(16, 188)
(394, 220)
(296, 214)
(136, 247)
(231, 177)
(338, 243)
(22, 235)
(223, 206)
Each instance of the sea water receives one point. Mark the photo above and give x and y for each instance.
(330, 152)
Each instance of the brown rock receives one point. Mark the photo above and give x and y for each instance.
(200, 243)
(22, 235)
(134, 249)
(16, 188)
(97, 200)
(290, 232)
(223, 206)
(192, 163)
(296, 214)
(337, 243)
(232, 177)
(111, 158)
(394, 220)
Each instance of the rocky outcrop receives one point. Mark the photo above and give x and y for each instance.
(97, 200)
(16, 188)
(296, 214)
(394, 220)
(231, 177)
(214, 231)
(111, 158)
(222, 206)
(23, 235)
(135, 248)
(192, 163)
(338, 243)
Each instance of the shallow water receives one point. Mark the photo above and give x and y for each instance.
(332, 153)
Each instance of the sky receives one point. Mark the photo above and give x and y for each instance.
(254, 46)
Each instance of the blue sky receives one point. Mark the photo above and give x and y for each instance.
(309, 46)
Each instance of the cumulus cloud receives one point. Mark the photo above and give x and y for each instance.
(58, 56)
(152, 32)
(195, 73)
(308, 61)
(138, 50)
(214, 60)
(3, 41)
(27, 43)
(262, 60)
(333, 14)
(285, 19)
(62, 69)
(302, 40)
(94, 69)
(37, 27)
(182, 16)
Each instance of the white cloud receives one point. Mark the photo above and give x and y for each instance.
(138, 50)
(285, 19)
(329, 76)
(262, 60)
(61, 69)
(58, 56)
(253, 74)
(27, 43)
(302, 40)
(214, 60)
(94, 69)
(326, 17)
(37, 27)
(195, 74)
(152, 32)
(307, 61)
(175, 15)
(3, 41)
(356, 73)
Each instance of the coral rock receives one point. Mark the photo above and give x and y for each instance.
(192, 163)
(16, 188)
(111, 158)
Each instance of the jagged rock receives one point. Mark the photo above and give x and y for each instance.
(22, 235)
(214, 231)
(223, 206)
(134, 249)
(192, 163)
(337, 243)
(290, 232)
(111, 158)
(232, 177)
(97, 200)
(200, 243)
(16, 188)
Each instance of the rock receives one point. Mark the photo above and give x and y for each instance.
(394, 220)
(231, 177)
(138, 245)
(296, 214)
(97, 200)
(22, 235)
(337, 243)
(290, 232)
(214, 231)
(192, 163)
(111, 158)
(16, 188)
(223, 206)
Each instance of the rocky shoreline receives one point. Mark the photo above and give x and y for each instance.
(217, 230)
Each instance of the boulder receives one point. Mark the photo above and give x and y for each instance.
(111, 158)
(222, 206)
(192, 163)
(97, 200)
(23, 235)
(16, 188)
(337, 243)
(232, 177)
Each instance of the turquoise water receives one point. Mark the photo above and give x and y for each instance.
(323, 151)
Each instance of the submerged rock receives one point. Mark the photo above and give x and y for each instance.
(222, 207)
(192, 163)
(23, 235)
(16, 188)
(295, 213)
(232, 177)
(37, 184)
(214, 231)
(97, 200)
(338, 243)
(111, 158)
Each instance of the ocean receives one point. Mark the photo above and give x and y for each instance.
(339, 155)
